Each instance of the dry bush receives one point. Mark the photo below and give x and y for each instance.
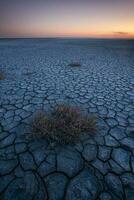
(27, 73)
(75, 64)
(2, 75)
(64, 125)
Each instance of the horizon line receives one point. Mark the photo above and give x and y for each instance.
(68, 37)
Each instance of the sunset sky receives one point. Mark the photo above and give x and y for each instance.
(67, 18)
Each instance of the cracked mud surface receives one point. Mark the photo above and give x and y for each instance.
(38, 77)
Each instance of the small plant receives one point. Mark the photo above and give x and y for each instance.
(75, 64)
(64, 125)
(2, 75)
(27, 73)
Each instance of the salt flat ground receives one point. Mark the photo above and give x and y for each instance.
(38, 77)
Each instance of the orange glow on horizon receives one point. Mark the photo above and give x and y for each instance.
(71, 33)
(75, 34)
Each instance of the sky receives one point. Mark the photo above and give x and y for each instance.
(67, 18)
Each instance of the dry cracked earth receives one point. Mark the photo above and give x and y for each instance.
(38, 77)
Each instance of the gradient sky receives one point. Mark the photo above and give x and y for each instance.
(69, 18)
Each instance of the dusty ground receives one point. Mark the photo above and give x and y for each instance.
(38, 76)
